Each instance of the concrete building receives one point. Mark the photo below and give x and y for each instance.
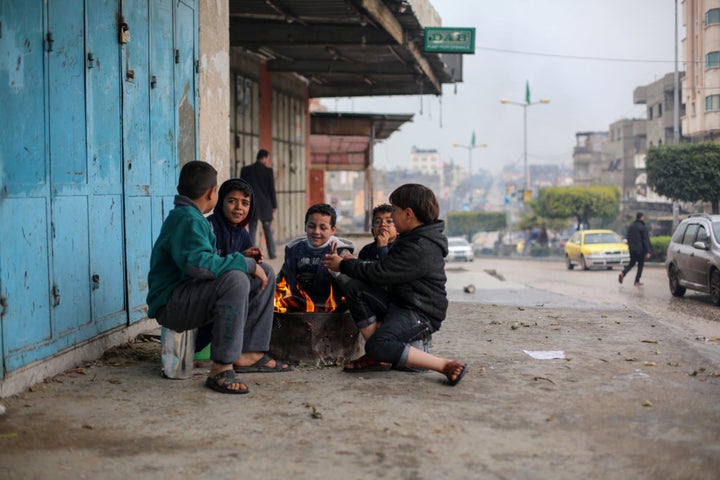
(588, 160)
(426, 161)
(659, 99)
(701, 56)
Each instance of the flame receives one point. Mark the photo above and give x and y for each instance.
(284, 299)
(281, 291)
(330, 304)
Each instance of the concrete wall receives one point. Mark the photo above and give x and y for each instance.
(214, 85)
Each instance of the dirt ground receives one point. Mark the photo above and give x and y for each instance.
(631, 400)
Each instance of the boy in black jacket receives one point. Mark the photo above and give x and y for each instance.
(402, 296)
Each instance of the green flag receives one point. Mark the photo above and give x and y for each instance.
(527, 92)
(472, 139)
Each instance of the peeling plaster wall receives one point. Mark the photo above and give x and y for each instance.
(214, 94)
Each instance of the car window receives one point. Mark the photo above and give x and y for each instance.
(575, 238)
(690, 233)
(679, 232)
(702, 234)
(716, 231)
(458, 243)
(595, 238)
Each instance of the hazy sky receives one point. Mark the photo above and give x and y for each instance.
(586, 56)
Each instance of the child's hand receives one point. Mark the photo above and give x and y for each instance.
(332, 260)
(254, 252)
(260, 274)
(383, 238)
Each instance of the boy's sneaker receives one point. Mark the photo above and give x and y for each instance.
(621, 277)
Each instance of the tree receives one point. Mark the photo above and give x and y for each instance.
(579, 202)
(689, 172)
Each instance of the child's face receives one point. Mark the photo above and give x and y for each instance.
(401, 219)
(318, 229)
(383, 223)
(236, 207)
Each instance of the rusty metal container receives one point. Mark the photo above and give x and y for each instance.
(315, 338)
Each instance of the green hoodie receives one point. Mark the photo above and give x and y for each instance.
(185, 250)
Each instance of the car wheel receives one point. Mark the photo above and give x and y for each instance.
(715, 287)
(568, 263)
(674, 281)
(583, 263)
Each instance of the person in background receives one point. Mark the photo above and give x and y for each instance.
(638, 241)
(261, 178)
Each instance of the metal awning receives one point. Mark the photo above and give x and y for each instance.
(342, 141)
(343, 47)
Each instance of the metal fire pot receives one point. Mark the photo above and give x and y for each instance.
(316, 338)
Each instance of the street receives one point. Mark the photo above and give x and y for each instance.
(693, 313)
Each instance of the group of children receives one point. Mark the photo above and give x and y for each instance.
(206, 274)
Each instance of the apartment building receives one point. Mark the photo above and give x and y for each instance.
(701, 84)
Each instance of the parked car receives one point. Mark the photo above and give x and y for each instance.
(693, 256)
(596, 248)
(459, 249)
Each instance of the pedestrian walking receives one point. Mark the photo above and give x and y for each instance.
(639, 244)
(261, 178)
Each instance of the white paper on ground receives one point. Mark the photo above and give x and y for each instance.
(545, 354)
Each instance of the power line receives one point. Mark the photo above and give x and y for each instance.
(573, 57)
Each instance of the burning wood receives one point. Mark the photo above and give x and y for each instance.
(286, 301)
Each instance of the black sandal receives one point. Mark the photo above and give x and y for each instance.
(229, 376)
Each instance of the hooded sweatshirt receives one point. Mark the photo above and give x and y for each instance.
(231, 239)
(413, 271)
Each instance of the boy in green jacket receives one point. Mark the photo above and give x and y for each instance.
(190, 285)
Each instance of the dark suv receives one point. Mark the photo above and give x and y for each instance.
(693, 256)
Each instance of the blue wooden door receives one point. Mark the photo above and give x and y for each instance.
(159, 77)
(62, 177)
(24, 186)
(92, 130)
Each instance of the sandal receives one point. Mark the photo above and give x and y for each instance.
(261, 366)
(229, 376)
(366, 364)
(450, 368)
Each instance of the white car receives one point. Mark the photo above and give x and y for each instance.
(459, 249)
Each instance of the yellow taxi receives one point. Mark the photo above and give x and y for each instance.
(596, 249)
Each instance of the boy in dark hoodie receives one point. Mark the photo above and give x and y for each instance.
(190, 285)
(229, 220)
(402, 295)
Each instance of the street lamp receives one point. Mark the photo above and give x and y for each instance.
(524, 106)
(470, 148)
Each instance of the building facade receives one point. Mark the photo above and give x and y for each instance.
(701, 56)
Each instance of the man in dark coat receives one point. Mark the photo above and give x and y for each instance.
(261, 178)
(639, 245)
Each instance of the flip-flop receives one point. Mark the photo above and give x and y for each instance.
(261, 366)
(450, 368)
(229, 376)
(365, 364)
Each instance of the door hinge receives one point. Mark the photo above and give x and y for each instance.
(3, 305)
(177, 56)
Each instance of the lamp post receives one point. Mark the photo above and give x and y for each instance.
(470, 148)
(524, 106)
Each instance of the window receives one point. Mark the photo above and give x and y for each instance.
(712, 59)
(649, 113)
(712, 102)
(690, 234)
(659, 110)
(712, 16)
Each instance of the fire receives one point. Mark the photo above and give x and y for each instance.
(284, 299)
